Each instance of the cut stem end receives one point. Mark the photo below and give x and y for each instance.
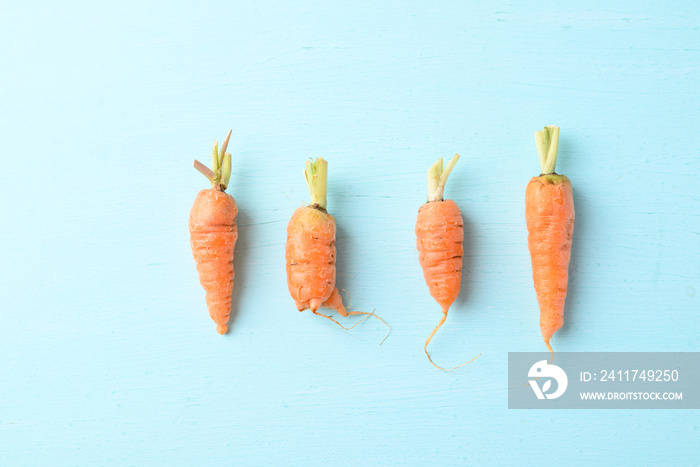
(220, 173)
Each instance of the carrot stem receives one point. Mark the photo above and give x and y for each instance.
(220, 173)
(206, 171)
(226, 170)
(316, 175)
(437, 178)
(547, 141)
(434, 173)
(215, 164)
(224, 146)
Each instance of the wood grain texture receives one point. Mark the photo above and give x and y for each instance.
(107, 355)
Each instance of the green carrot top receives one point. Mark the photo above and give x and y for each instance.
(220, 173)
(547, 146)
(437, 177)
(316, 175)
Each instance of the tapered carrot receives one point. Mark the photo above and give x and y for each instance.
(311, 253)
(440, 236)
(549, 213)
(213, 235)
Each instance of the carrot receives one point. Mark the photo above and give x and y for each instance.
(311, 253)
(440, 235)
(549, 213)
(213, 235)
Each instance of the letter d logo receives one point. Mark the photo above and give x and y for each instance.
(542, 369)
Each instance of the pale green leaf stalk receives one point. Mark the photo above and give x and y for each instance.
(547, 141)
(224, 147)
(434, 173)
(437, 178)
(215, 166)
(226, 171)
(220, 173)
(316, 175)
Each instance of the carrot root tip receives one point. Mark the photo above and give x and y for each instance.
(388, 328)
(221, 329)
(551, 351)
(425, 347)
(314, 304)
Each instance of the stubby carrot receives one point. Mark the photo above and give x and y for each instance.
(440, 236)
(549, 213)
(311, 253)
(213, 235)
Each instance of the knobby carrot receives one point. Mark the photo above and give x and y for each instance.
(311, 253)
(213, 235)
(440, 236)
(549, 213)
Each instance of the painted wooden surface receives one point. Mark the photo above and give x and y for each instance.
(107, 355)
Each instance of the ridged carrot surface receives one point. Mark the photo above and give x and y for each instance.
(549, 214)
(440, 233)
(439, 240)
(213, 235)
(310, 251)
(310, 254)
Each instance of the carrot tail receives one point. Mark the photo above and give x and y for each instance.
(368, 315)
(551, 351)
(336, 321)
(425, 347)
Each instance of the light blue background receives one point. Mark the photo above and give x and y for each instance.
(107, 354)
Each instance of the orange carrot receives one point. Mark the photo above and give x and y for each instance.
(213, 235)
(440, 235)
(549, 213)
(310, 251)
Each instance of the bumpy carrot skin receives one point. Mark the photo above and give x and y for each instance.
(440, 233)
(549, 214)
(439, 240)
(213, 235)
(310, 255)
(310, 252)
